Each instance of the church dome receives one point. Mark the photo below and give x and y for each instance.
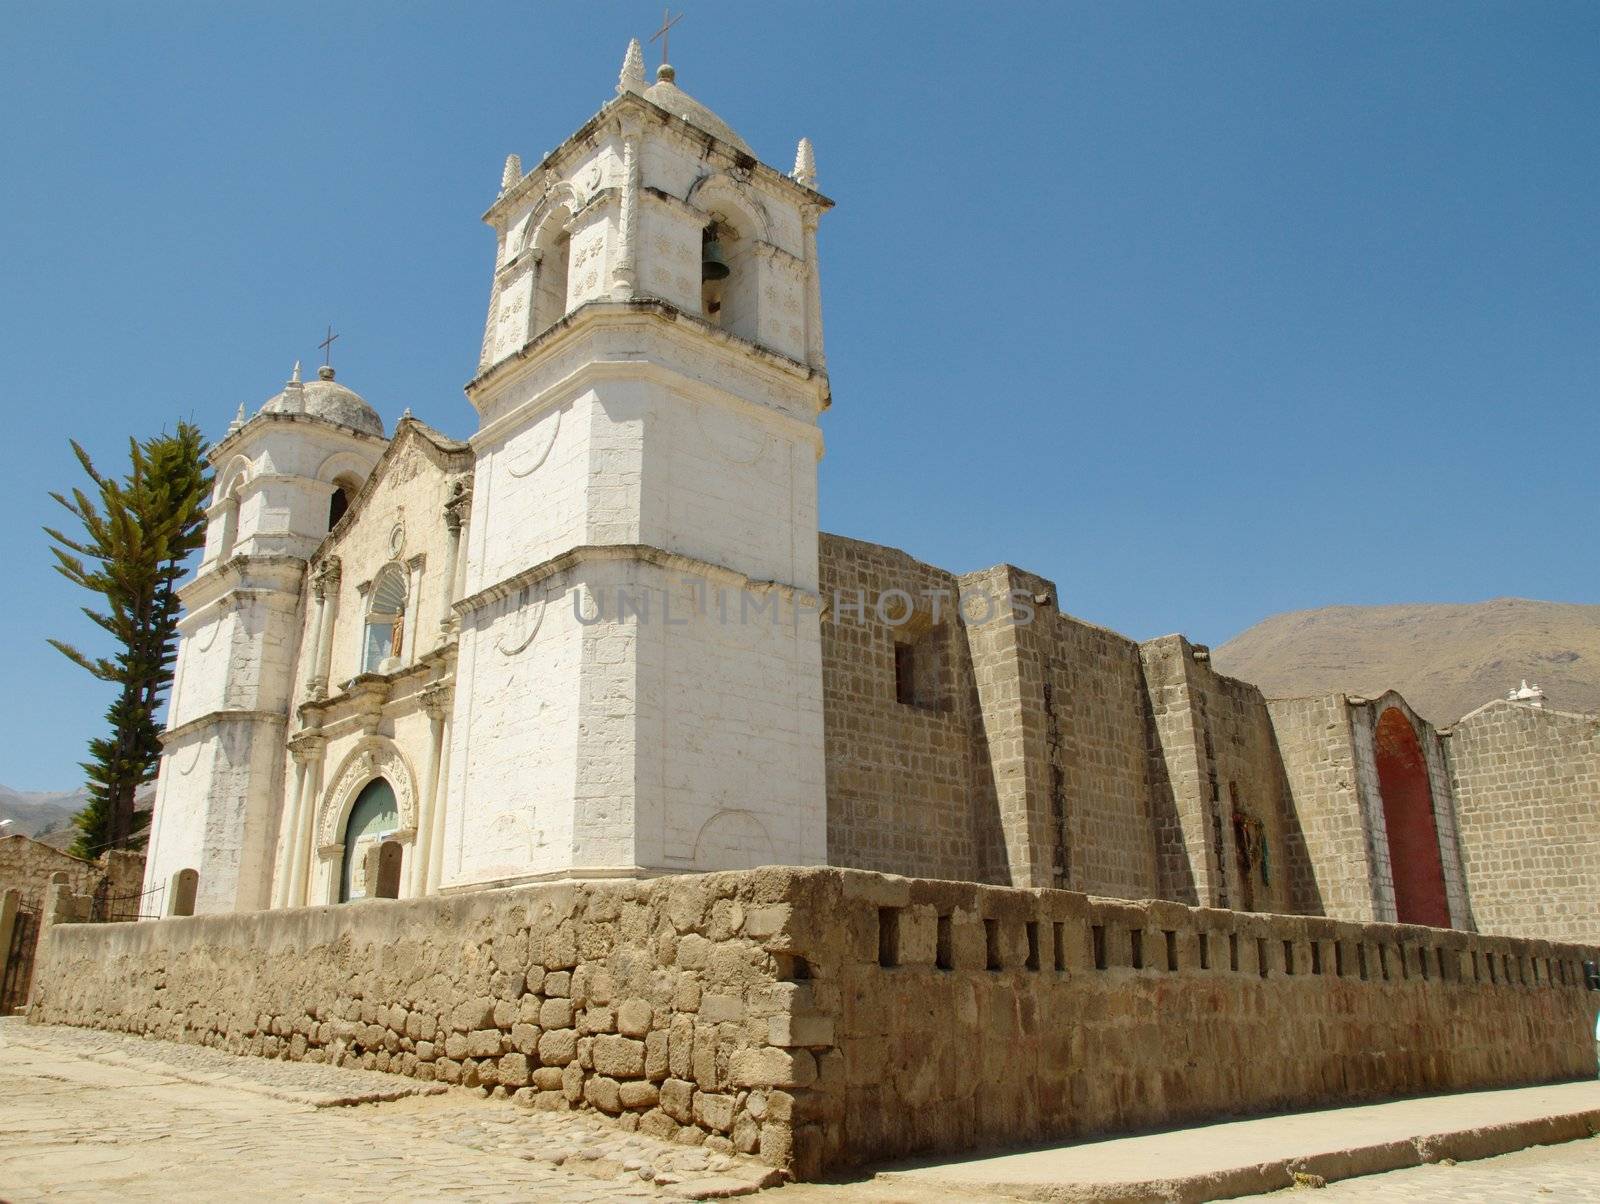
(327, 399)
(665, 94)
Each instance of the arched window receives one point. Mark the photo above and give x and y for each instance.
(386, 622)
(373, 816)
(1410, 824)
(337, 505)
(554, 246)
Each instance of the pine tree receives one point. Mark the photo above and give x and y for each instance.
(137, 534)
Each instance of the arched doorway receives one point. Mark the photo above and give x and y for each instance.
(1414, 860)
(374, 815)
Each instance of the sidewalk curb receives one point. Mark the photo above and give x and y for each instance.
(1461, 1145)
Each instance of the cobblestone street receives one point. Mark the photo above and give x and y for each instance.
(97, 1116)
(93, 1116)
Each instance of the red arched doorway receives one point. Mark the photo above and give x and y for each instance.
(1414, 858)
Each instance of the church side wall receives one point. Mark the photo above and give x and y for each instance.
(1328, 868)
(1097, 738)
(825, 1017)
(1249, 778)
(900, 777)
(1527, 787)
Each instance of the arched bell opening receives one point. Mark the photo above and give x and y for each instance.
(552, 242)
(727, 277)
(344, 492)
(1415, 863)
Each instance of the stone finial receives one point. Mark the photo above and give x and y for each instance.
(512, 172)
(294, 377)
(805, 164)
(406, 413)
(238, 420)
(632, 77)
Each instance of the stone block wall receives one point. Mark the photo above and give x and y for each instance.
(823, 1017)
(666, 1004)
(28, 865)
(902, 777)
(1527, 787)
(1330, 869)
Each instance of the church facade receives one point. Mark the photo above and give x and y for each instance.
(605, 638)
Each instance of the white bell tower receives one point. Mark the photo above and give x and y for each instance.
(639, 687)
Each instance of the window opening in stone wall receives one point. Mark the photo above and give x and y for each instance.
(1422, 964)
(386, 621)
(1361, 962)
(1058, 945)
(1494, 979)
(888, 936)
(1338, 959)
(337, 505)
(1233, 952)
(905, 679)
(792, 967)
(1136, 948)
(1032, 930)
(1316, 957)
(1261, 955)
(1172, 949)
(1098, 934)
(1288, 957)
(918, 667)
(1203, 950)
(943, 953)
(991, 944)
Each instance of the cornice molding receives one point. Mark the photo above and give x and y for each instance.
(638, 553)
(175, 735)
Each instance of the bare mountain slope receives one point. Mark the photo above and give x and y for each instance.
(1447, 659)
(35, 813)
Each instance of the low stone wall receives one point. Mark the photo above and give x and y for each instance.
(821, 1017)
(1062, 1015)
(661, 1002)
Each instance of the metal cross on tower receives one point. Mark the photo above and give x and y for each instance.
(327, 347)
(667, 22)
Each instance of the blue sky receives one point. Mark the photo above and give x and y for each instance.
(1205, 311)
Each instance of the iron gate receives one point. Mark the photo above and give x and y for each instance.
(18, 975)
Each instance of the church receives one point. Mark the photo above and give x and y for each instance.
(604, 637)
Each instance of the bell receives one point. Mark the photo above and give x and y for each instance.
(712, 265)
